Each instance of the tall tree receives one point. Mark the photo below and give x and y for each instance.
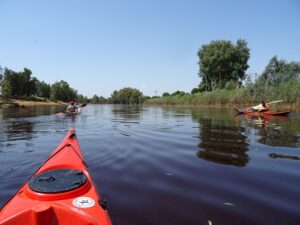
(81, 99)
(43, 89)
(20, 83)
(62, 91)
(220, 61)
(6, 88)
(279, 71)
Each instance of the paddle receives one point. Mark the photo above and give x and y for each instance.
(274, 102)
(61, 113)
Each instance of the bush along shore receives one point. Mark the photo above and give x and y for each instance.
(288, 92)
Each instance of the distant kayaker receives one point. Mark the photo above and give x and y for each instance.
(259, 108)
(72, 107)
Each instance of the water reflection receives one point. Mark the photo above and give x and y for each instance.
(274, 131)
(127, 114)
(17, 130)
(277, 136)
(223, 143)
(30, 111)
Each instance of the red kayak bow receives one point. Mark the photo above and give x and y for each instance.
(60, 192)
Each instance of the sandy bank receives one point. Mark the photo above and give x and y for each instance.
(8, 103)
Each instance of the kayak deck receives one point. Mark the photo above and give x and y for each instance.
(50, 198)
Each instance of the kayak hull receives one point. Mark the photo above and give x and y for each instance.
(264, 113)
(81, 205)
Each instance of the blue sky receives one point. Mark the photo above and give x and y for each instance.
(102, 46)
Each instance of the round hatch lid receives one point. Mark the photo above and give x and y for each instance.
(57, 181)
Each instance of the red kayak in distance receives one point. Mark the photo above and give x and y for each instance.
(60, 192)
(264, 113)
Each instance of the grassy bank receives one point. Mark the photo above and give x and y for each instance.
(25, 102)
(289, 92)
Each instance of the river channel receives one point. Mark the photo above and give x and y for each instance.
(167, 165)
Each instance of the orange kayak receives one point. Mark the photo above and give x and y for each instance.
(60, 192)
(263, 113)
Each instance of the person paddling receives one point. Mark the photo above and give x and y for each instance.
(260, 108)
(72, 107)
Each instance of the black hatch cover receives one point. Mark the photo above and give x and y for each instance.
(57, 181)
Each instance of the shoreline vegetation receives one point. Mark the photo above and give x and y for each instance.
(241, 97)
(288, 92)
(224, 82)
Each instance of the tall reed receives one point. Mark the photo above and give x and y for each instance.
(289, 92)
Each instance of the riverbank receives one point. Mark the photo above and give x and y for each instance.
(236, 98)
(23, 102)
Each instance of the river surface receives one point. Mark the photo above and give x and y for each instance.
(167, 166)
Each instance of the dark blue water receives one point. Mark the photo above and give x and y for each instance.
(159, 165)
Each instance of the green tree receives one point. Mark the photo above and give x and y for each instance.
(6, 88)
(1, 75)
(220, 61)
(20, 83)
(81, 99)
(98, 100)
(165, 94)
(43, 89)
(178, 93)
(195, 90)
(279, 71)
(62, 91)
(95, 99)
(127, 96)
(102, 100)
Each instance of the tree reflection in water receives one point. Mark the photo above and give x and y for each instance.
(222, 139)
(17, 130)
(223, 144)
(127, 113)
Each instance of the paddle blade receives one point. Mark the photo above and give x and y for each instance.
(83, 105)
(275, 102)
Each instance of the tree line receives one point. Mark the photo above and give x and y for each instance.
(23, 84)
(222, 65)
